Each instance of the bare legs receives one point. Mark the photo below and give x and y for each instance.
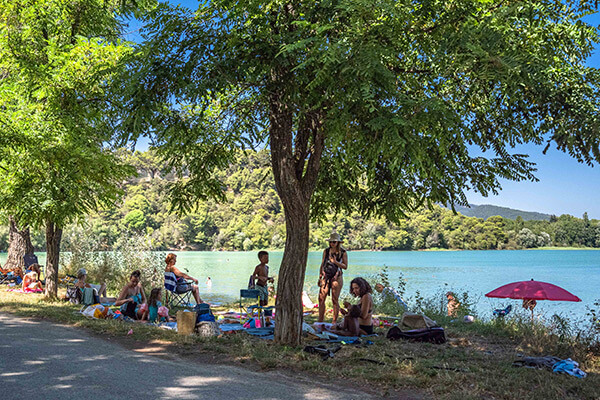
(336, 289)
(196, 293)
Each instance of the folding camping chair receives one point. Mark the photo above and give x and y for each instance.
(172, 298)
(254, 294)
(502, 312)
(8, 278)
(29, 259)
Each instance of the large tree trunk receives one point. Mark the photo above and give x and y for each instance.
(288, 317)
(296, 161)
(19, 244)
(53, 238)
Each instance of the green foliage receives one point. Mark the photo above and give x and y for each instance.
(130, 253)
(252, 218)
(413, 102)
(56, 59)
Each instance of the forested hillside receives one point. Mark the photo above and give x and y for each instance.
(487, 210)
(252, 218)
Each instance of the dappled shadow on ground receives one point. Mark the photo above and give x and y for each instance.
(44, 360)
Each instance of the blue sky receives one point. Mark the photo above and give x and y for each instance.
(565, 186)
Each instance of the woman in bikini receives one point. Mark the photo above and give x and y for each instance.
(360, 288)
(335, 261)
(131, 296)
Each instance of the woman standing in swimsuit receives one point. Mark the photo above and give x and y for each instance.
(335, 261)
(360, 288)
(131, 296)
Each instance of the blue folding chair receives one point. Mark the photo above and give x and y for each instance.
(260, 311)
(172, 298)
(503, 312)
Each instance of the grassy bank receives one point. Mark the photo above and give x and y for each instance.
(476, 362)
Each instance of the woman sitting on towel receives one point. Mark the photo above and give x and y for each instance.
(131, 296)
(31, 283)
(351, 325)
(360, 288)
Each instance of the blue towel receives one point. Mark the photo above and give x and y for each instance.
(570, 367)
(260, 331)
(231, 327)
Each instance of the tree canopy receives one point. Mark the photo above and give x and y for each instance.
(375, 106)
(56, 60)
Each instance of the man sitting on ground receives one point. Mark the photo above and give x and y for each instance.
(388, 292)
(81, 283)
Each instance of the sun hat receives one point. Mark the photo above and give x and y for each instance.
(81, 272)
(163, 311)
(334, 237)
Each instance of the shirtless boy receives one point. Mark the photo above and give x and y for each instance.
(261, 277)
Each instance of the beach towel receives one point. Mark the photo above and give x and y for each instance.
(569, 367)
(27, 290)
(231, 327)
(307, 302)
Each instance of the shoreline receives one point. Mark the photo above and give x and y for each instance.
(4, 253)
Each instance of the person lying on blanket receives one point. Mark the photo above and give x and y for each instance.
(31, 283)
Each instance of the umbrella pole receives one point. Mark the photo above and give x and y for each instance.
(532, 316)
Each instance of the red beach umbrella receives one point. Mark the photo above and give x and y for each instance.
(532, 290)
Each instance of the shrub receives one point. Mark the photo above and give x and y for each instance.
(113, 267)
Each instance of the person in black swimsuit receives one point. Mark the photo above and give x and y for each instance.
(360, 288)
(335, 261)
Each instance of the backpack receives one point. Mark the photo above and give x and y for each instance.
(203, 312)
(74, 294)
(330, 269)
(89, 296)
(431, 335)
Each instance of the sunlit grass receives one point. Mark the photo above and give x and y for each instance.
(475, 363)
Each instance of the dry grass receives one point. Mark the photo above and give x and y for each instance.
(476, 363)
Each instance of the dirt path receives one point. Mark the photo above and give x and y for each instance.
(40, 359)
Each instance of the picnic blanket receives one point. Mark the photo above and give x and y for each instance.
(231, 327)
(263, 333)
(27, 290)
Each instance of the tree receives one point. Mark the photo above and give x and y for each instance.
(19, 244)
(373, 106)
(56, 60)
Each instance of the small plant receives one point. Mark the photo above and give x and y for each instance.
(386, 302)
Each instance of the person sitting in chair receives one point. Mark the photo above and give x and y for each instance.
(81, 283)
(182, 285)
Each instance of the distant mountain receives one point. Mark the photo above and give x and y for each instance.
(487, 210)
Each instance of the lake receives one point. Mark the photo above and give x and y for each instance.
(428, 272)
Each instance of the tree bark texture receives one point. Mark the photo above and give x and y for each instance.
(53, 238)
(295, 160)
(19, 244)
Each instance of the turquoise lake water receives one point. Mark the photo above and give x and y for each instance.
(477, 272)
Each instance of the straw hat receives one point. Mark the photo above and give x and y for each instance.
(334, 237)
